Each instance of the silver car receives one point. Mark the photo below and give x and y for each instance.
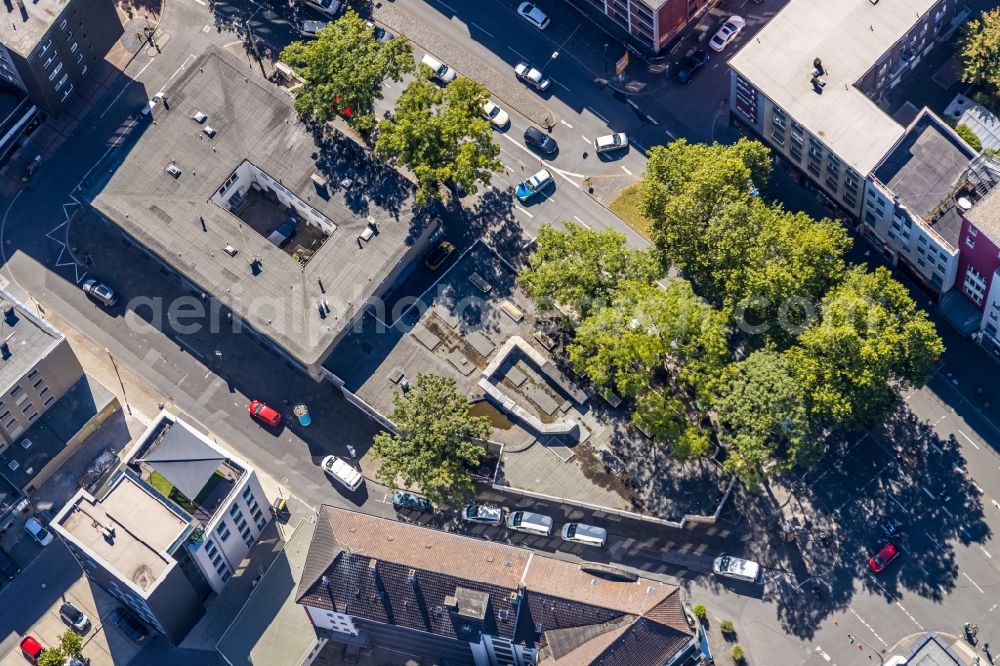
(100, 292)
(588, 535)
(482, 513)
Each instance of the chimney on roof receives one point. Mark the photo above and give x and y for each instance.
(418, 596)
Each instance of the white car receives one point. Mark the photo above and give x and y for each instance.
(442, 72)
(607, 143)
(153, 102)
(735, 567)
(531, 76)
(482, 513)
(328, 7)
(37, 532)
(533, 15)
(727, 33)
(497, 116)
(342, 472)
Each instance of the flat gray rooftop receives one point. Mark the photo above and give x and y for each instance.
(271, 628)
(849, 36)
(254, 122)
(29, 339)
(923, 168)
(143, 528)
(26, 21)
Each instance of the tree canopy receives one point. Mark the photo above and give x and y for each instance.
(437, 441)
(441, 135)
(870, 342)
(981, 50)
(343, 67)
(70, 645)
(580, 268)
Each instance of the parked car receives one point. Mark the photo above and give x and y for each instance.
(442, 72)
(8, 567)
(527, 189)
(531, 76)
(735, 567)
(611, 142)
(265, 414)
(405, 500)
(482, 513)
(727, 33)
(533, 15)
(381, 34)
(310, 28)
(74, 617)
(436, 257)
(691, 65)
(153, 102)
(497, 116)
(99, 292)
(129, 625)
(328, 7)
(540, 141)
(31, 649)
(533, 523)
(342, 472)
(588, 535)
(37, 532)
(880, 560)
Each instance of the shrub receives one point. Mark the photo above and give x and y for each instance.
(737, 654)
(726, 627)
(700, 612)
(969, 137)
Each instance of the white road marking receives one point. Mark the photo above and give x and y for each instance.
(973, 582)
(566, 88)
(482, 29)
(566, 175)
(969, 439)
(446, 7)
(206, 28)
(599, 115)
(909, 616)
(585, 138)
(125, 87)
(670, 134)
(565, 123)
(927, 492)
(583, 223)
(898, 502)
(523, 211)
(996, 504)
(626, 170)
(632, 104)
(517, 54)
(986, 552)
(820, 652)
(865, 622)
(652, 119)
(201, 2)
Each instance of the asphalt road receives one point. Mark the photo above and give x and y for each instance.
(946, 574)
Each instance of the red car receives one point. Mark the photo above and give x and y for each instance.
(262, 412)
(880, 560)
(31, 649)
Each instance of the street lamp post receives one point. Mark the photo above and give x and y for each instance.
(878, 654)
(120, 382)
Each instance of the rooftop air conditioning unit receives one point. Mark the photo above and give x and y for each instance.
(25, 443)
(230, 250)
(208, 131)
(199, 117)
(173, 170)
(13, 464)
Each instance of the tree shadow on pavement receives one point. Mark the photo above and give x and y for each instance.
(901, 484)
(492, 218)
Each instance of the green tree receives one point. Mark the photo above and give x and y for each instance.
(870, 343)
(580, 268)
(441, 136)
(969, 137)
(737, 655)
(52, 657)
(981, 50)
(647, 329)
(436, 442)
(71, 643)
(344, 67)
(700, 612)
(686, 186)
(765, 422)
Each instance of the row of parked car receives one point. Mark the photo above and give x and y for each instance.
(535, 523)
(127, 624)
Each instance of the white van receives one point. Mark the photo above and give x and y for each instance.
(342, 472)
(588, 535)
(525, 521)
(734, 567)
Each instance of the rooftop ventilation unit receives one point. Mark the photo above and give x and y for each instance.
(208, 131)
(199, 117)
(13, 464)
(173, 170)
(25, 443)
(230, 250)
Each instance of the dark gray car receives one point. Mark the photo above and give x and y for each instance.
(540, 141)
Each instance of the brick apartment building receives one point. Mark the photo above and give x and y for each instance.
(651, 25)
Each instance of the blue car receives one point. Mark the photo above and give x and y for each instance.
(532, 186)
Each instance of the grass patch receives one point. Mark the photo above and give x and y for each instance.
(167, 489)
(628, 206)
